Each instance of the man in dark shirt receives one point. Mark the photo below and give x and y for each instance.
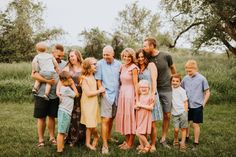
(165, 68)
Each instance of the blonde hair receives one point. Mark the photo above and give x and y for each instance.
(191, 64)
(130, 52)
(143, 83)
(41, 47)
(86, 66)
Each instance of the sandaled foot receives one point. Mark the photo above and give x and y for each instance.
(121, 145)
(139, 147)
(164, 144)
(34, 91)
(53, 141)
(153, 149)
(89, 146)
(125, 147)
(182, 148)
(41, 144)
(176, 144)
(95, 142)
(105, 150)
(145, 150)
(45, 97)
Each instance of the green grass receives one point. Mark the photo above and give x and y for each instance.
(19, 135)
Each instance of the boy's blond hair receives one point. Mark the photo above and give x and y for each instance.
(191, 64)
(41, 47)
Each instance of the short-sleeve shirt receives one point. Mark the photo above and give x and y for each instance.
(163, 62)
(109, 74)
(178, 98)
(44, 62)
(195, 87)
(52, 94)
(67, 102)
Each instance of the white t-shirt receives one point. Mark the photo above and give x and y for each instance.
(178, 98)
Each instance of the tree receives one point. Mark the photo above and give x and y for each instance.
(213, 21)
(21, 28)
(117, 42)
(95, 40)
(136, 23)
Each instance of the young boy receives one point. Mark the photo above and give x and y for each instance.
(65, 108)
(46, 65)
(179, 111)
(198, 93)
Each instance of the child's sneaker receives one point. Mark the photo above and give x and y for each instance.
(34, 91)
(45, 97)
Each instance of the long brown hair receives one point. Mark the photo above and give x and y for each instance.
(78, 55)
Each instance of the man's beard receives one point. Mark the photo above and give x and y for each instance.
(58, 60)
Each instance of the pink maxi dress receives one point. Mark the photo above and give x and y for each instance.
(144, 117)
(125, 117)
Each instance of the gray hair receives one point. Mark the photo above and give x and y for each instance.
(108, 48)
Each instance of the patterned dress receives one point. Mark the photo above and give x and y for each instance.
(77, 130)
(157, 113)
(125, 117)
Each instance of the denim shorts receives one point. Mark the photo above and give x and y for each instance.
(63, 121)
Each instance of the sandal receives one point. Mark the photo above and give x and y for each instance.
(139, 147)
(182, 148)
(145, 150)
(176, 144)
(152, 149)
(41, 144)
(53, 141)
(121, 145)
(125, 147)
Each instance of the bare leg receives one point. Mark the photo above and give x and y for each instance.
(153, 135)
(183, 135)
(104, 131)
(110, 123)
(88, 139)
(95, 137)
(165, 126)
(60, 142)
(176, 133)
(131, 140)
(196, 130)
(47, 89)
(41, 125)
(51, 127)
(36, 85)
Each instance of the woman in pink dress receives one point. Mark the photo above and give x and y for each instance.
(144, 107)
(125, 118)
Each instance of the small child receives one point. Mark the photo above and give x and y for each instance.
(144, 115)
(179, 112)
(89, 102)
(46, 65)
(198, 93)
(65, 108)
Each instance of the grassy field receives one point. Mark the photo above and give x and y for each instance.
(19, 137)
(218, 136)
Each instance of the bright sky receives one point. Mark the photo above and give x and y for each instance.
(73, 16)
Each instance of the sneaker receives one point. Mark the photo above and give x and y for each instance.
(165, 145)
(45, 97)
(34, 91)
(105, 150)
(195, 145)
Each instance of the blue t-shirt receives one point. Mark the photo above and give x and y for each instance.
(195, 87)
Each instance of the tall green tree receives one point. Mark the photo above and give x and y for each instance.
(21, 28)
(135, 23)
(212, 21)
(95, 40)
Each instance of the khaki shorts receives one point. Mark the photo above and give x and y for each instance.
(108, 110)
(180, 121)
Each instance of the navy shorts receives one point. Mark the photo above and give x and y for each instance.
(44, 108)
(195, 114)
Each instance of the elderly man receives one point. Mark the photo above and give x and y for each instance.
(44, 108)
(107, 75)
(165, 68)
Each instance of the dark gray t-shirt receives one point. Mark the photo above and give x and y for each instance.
(163, 61)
